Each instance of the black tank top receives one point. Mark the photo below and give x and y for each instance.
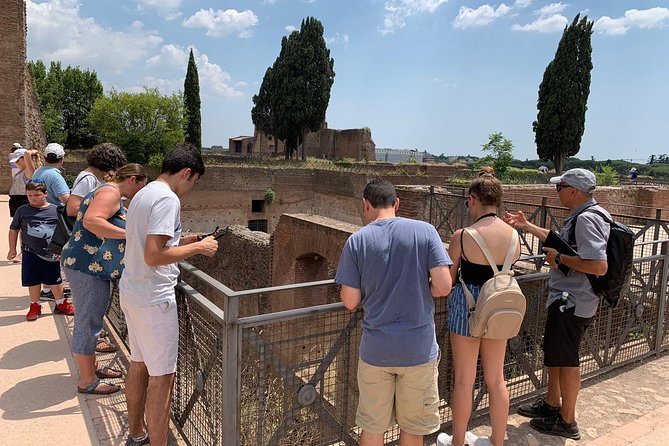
(474, 273)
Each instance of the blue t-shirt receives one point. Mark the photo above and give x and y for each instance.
(55, 183)
(37, 226)
(389, 261)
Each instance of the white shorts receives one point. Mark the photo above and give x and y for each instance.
(153, 333)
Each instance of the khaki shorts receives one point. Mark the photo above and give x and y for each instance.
(406, 395)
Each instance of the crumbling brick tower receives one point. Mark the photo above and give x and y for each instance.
(19, 110)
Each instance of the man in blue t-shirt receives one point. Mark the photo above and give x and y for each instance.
(395, 266)
(57, 188)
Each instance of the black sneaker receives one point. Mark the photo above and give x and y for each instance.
(538, 409)
(555, 425)
(44, 297)
(132, 442)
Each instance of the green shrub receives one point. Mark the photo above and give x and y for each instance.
(269, 196)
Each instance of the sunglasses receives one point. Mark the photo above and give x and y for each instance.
(36, 181)
(467, 201)
(561, 186)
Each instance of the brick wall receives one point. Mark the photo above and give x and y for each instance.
(306, 248)
(19, 115)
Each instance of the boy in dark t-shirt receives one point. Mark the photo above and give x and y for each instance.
(36, 221)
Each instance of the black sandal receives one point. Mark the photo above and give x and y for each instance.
(108, 373)
(92, 389)
(107, 348)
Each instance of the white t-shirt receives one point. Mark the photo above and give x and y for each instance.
(84, 183)
(155, 210)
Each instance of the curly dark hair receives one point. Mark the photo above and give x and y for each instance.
(106, 156)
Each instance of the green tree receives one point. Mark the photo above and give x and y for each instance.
(145, 125)
(563, 95)
(66, 98)
(192, 104)
(501, 150)
(295, 91)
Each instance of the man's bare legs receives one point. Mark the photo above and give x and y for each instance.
(570, 385)
(367, 439)
(158, 401)
(554, 395)
(136, 384)
(406, 439)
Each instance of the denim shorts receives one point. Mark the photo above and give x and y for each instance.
(91, 299)
(458, 311)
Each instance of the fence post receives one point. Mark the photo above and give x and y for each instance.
(656, 233)
(543, 217)
(431, 198)
(231, 373)
(663, 300)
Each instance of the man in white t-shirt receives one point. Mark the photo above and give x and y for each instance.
(153, 247)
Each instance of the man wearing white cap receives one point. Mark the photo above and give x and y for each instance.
(572, 302)
(25, 167)
(57, 188)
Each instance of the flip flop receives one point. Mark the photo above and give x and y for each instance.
(107, 348)
(108, 372)
(92, 389)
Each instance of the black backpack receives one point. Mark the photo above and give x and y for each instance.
(619, 256)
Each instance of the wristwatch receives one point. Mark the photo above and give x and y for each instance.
(557, 259)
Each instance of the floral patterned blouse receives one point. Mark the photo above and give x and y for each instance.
(93, 255)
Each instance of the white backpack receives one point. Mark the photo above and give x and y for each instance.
(500, 308)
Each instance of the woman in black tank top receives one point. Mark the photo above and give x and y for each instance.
(483, 201)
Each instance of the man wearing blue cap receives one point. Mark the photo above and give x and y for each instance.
(572, 302)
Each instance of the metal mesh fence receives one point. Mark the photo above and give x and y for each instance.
(297, 363)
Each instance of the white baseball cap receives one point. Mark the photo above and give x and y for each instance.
(16, 155)
(55, 149)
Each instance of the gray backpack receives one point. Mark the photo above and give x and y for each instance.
(500, 308)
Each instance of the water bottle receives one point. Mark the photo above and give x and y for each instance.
(564, 297)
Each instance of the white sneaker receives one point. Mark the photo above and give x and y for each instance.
(474, 440)
(444, 440)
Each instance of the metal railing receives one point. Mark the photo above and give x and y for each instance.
(288, 377)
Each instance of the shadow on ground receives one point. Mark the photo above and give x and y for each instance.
(47, 391)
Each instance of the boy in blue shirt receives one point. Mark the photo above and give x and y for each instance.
(36, 222)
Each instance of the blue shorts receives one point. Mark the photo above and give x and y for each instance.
(458, 311)
(37, 271)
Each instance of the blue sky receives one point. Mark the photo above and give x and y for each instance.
(436, 75)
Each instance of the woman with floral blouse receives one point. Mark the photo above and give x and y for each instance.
(94, 257)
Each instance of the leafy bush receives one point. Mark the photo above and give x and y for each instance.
(269, 196)
(608, 176)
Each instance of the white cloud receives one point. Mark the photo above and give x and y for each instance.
(552, 24)
(290, 28)
(220, 23)
(337, 38)
(398, 11)
(549, 10)
(550, 20)
(56, 31)
(166, 8)
(522, 3)
(213, 79)
(645, 19)
(170, 54)
(481, 16)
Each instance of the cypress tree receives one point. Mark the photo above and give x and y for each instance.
(563, 95)
(295, 91)
(192, 116)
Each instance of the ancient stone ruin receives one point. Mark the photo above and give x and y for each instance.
(19, 110)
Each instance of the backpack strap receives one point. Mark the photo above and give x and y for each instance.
(506, 268)
(508, 259)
